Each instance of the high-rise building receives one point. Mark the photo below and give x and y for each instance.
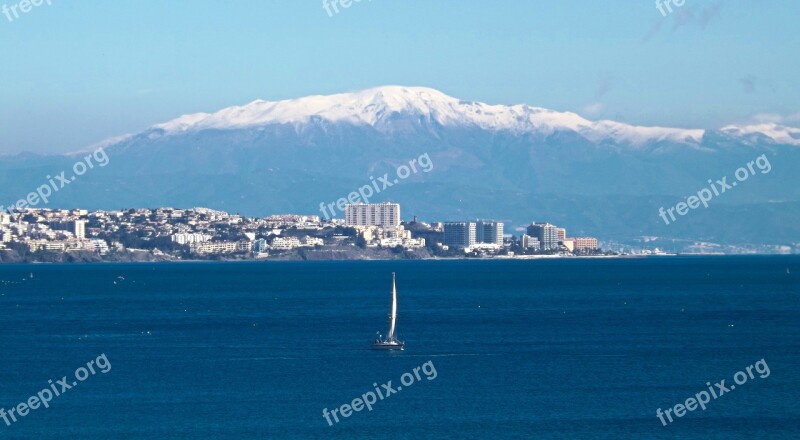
(76, 227)
(546, 233)
(467, 234)
(79, 228)
(562, 234)
(489, 232)
(386, 215)
(460, 234)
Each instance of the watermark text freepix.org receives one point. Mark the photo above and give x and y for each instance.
(54, 184)
(23, 7)
(332, 6)
(43, 398)
(383, 392)
(365, 192)
(705, 195)
(717, 390)
(661, 4)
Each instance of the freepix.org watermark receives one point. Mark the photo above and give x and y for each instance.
(376, 186)
(22, 7)
(718, 390)
(61, 386)
(716, 189)
(332, 6)
(661, 4)
(55, 184)
(383, 392)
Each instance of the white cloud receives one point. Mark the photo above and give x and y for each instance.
(594, 108)
(776, 118)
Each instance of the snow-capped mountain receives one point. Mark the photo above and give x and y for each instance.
(769, 132)
(390, 109)
(379, 107)
(514, 163)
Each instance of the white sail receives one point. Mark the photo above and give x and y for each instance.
(393, 316)
(391, 342)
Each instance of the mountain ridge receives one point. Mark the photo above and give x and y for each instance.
(374, 106)
(519, 119)
(515, 163)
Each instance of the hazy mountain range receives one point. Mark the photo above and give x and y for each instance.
(512, 163)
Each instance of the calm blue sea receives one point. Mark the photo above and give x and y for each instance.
(567, 348)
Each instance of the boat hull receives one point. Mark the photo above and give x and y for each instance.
(384, 346)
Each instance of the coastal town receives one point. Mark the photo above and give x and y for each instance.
(367, 231)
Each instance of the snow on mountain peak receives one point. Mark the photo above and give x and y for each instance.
(363, 107)
(376, 106)
(779, 134)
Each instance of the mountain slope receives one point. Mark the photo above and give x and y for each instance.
(514, 163)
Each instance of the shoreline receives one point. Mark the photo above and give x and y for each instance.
(267, 261)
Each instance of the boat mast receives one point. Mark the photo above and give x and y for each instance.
(393, 316)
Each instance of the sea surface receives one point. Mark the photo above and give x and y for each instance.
(537, 349)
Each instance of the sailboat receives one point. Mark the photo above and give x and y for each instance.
(391, 342)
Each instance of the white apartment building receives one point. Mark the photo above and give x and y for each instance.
(285, 243)
(312, 241)
(398, 232)
(79, 229)
(99, 245)
(216, 247)
(55, 246)
(408, 243)
(190, 238)
(529, 242)
(386, 215)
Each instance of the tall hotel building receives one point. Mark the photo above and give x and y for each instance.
(459, 234)
(77, 227)
(468, 234)
(489, 232)
(386, 215)
(546, 233)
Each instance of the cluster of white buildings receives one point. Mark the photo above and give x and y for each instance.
(544, 237)
(292, 220)
(190, 238)
(55, 231)
(206, 231)
(220, 247)
(471, 236)
(289, 243)
(487, 236)
(379, 225)
(258, 247)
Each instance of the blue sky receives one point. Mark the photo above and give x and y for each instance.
(78, 71)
